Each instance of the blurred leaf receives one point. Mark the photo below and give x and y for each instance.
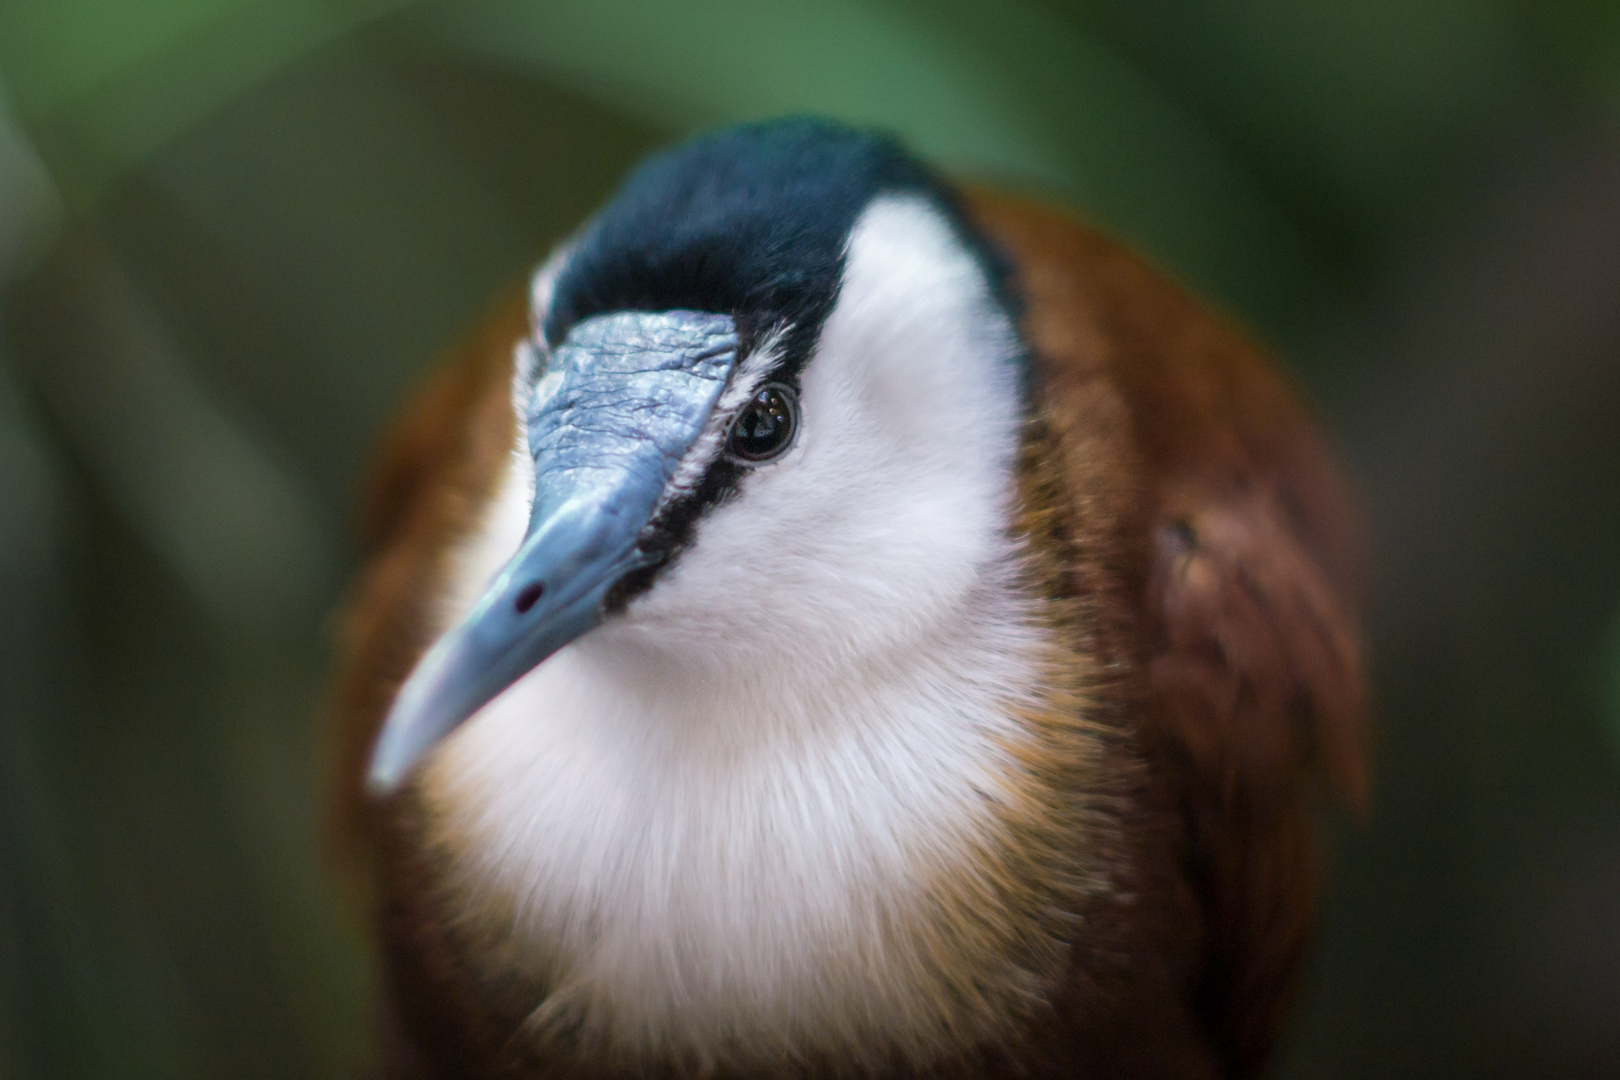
(230, 522)
(57, 52)
(30, 208)
(1361, 100)
(1611, 682)
(1582, 37)
(101, 85)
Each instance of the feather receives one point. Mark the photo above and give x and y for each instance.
(1190, 549)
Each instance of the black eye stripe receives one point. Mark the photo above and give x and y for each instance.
(764, 428)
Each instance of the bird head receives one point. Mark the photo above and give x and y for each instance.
(766, 423)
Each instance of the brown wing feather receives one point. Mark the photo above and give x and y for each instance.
(1245, 563)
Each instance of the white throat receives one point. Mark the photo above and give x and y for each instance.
(733, 819)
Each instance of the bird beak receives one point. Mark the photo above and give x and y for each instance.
(622, 400)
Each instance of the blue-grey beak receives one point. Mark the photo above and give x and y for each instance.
(622, 400)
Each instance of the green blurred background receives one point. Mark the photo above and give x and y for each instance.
(233, 232)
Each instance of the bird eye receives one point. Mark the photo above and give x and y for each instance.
(765, 427)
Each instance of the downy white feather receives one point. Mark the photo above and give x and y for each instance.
(711, 822)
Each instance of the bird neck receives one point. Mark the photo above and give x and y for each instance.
(681, 856)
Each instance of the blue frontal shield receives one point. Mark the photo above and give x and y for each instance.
(620, 404)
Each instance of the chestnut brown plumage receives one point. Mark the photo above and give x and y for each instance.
(1190, 536)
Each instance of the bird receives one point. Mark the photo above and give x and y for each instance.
(833, 620)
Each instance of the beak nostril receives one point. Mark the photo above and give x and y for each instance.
(527, 598)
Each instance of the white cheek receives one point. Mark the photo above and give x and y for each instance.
(895, 498)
